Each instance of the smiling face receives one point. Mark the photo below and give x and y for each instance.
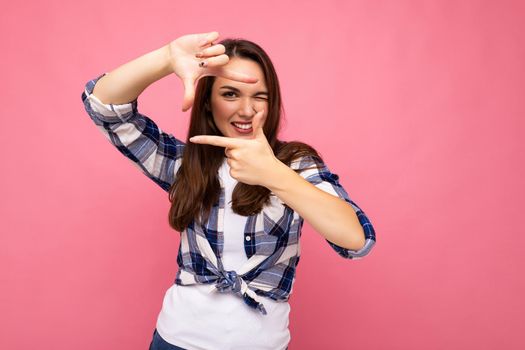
(234, 104)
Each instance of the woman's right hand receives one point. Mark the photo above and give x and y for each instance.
(194, 56)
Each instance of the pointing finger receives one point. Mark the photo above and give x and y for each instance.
(233, 75)
(220, 141)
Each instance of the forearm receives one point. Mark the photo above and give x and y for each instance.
(125, 83)
(330, 216)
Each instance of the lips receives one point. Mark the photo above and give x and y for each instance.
(242, 130)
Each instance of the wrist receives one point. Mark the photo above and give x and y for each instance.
(280, 176)
(165, 54)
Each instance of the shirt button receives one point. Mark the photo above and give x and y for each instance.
(248, 238)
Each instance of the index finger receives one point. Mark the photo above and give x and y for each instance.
(233, 75)
(214, 140)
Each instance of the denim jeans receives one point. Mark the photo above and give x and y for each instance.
(157, 343)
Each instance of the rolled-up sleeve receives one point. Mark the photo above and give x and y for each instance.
(156, 153)
(315, 171)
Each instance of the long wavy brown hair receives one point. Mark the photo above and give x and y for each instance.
(196, 187)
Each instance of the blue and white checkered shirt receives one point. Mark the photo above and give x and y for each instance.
(271, 236)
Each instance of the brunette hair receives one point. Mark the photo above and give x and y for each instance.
(196, 187)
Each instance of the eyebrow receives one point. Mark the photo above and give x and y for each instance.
(237, 90)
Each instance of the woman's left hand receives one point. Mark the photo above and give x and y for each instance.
(251, 161)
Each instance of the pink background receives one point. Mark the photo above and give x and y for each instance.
(417, 105)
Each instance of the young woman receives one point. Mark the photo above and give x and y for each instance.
(239, 195)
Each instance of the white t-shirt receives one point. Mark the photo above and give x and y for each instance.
(197, 317)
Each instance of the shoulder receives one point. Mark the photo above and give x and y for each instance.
(299, 155)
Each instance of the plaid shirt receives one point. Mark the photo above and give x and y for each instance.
(271, 236)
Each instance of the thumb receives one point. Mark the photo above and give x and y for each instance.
(258, 123)
(189, 94)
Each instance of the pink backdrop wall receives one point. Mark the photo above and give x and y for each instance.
(417, 105)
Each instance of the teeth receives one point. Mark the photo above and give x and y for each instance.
(243, 126)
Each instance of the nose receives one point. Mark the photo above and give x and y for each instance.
(247, 108)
